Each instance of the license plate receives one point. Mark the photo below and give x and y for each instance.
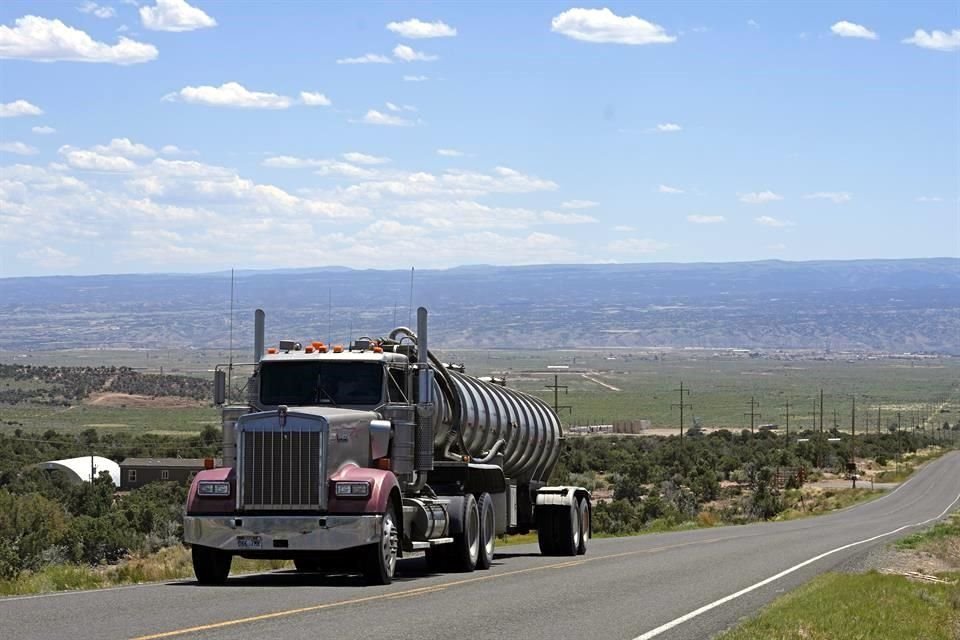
(249, 542)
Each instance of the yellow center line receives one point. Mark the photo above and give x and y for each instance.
(420, 590)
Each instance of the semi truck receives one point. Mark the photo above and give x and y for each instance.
(345, 458)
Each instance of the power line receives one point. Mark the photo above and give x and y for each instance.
(787, 415)
(681, 405)
(753, 414)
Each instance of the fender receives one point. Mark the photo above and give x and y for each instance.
(382, 484)
(207, 505)
(560, 496)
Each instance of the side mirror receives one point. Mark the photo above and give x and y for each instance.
(219, 386)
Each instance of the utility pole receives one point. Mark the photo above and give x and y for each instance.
(556, 386)
(753, 414)
(787, 416)
(898, 443)
(681, 405)
(878, 418)
(853, 439)
(821, 410)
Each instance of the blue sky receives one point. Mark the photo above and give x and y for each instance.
(159, 135)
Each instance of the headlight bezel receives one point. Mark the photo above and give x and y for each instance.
(352, 489)
(213, 489)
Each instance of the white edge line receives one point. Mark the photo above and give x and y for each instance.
(124, 587)
(653, 633)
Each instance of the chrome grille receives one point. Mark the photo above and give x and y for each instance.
(281, 469)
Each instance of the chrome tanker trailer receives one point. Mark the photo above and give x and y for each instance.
(344, 459)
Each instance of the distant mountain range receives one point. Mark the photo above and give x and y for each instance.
(880, 305)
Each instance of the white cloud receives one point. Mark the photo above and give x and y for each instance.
(667, 189)
(324, 167)
(363, 158)
(125, 148)
(450, 153)
(407, 54)
(97, 10)
(936, 40)
(175, 15)
(415, 28)
(668, 127)
(312, 99)
(43, 40)
(602, 25)
(698, 219)
(779, 246)
(623, 228)
(88, 160)
(19, 148)
(837, 197)
(400, 107)
(415, 78)
(753, 23)
(636, 246)
(767, 221)
(171, 150)
(43, 130)
(48, 258)
(579, 204)
(846, 29)
(554, 217)
(19, 108)
(377, 117)
(367, 58)
(760, 197)
(929, 199)
(230, 94)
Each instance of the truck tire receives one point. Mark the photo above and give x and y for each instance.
(380, 558)
(466, 544)
(545, 535)
(488, 531)
(211, 566)
(583, 506)
(306, 565)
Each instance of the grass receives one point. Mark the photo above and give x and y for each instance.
(858, 607)
(172, 563)
(826, 501)
(720, 387)
(934, 536)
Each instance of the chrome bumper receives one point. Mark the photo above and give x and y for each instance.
(297, 533)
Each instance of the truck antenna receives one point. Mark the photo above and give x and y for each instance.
(230, 365)
(410, 306)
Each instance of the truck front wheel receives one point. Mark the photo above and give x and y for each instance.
(380, 558)
(211, 566)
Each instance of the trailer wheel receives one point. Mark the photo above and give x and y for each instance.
(488, 531)
(545, 535)
(583, 508)
(380, 558)
(466, 544)
(211, 566)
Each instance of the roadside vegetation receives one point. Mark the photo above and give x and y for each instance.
(890, 604)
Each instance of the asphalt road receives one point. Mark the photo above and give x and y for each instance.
(691, 584)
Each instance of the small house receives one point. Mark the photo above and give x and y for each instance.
(136, 472)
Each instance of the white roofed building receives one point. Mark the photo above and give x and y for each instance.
(79, 469)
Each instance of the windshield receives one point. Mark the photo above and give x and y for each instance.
(310, 383)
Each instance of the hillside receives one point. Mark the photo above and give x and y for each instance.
(882, 305)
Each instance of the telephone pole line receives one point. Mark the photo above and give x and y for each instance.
(787, 416)
(753, 414)
(681, 405)
(556, 386)
(853, 439)
(821, 410)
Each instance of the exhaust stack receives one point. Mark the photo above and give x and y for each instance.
(258, 332)
(425, 404)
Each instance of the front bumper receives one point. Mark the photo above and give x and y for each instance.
(280, 533)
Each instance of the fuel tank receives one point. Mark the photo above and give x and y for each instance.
(528, 425)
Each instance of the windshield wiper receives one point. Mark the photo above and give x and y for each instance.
(326, 394)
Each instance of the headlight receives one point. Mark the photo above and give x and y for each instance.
(213, 488)
(352, 489)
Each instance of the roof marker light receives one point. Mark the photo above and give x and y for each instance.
(338, 348)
